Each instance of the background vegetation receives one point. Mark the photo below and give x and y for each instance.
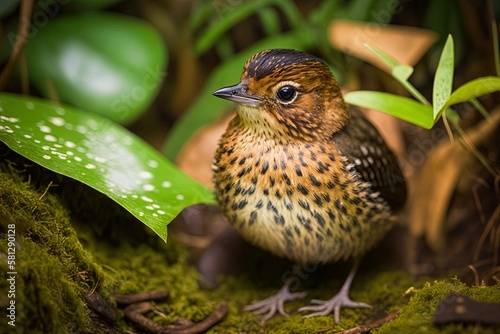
(118, 95)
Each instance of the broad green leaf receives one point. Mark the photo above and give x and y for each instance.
(101, 62)
(208, 108)
(103, 155)
(470, 90)
(398, 106)
(443, 79)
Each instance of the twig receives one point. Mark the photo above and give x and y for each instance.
(99, 305)
(21, 38)
(476, 275)
(141, 297)
(45, 191)
(487, 230)
(368, 328)
(135, 313)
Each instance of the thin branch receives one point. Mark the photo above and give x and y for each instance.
(368, 328)
(21, 38)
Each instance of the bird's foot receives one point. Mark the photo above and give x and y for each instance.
(275, 303)
(325, 307)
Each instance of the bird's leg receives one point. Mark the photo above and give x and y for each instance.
(341, 299)
(275, 303)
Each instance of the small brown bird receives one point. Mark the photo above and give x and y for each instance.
(301, 175)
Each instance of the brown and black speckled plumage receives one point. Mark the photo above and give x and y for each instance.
(307, 179)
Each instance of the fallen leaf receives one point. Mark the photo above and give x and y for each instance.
(405, 44)
(434, 184)
(196, 157)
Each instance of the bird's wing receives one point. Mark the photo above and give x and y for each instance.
(363, 146)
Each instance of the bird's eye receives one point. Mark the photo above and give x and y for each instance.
(286, 94)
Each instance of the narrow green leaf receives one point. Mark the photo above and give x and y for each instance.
(470, 90)
(452, 115)
(443, 78)
(387, 59)
(479, 107)
(402, 72)
(366, 10)
(398, 106)
(201, 13)
(103, 155)
(228, 14)
(322, 14)
(270, 20)
(496, 51)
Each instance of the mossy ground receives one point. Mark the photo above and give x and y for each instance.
(63, 256)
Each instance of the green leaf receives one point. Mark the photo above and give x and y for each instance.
(386, 58)
(208, 108)
(270, 21)
(91, 4)
(402, 72)
(470, 90)
(398, 106)
(7, 7)
(443, 79)
(98, 152)
(101, 62)
(229, 14)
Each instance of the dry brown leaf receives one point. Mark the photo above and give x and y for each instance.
(197, 155)
(405, 44)
(434, 184)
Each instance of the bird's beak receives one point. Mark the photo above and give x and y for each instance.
(236, 93)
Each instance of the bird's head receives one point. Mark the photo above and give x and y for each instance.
(288, 94)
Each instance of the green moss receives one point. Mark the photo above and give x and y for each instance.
(416, 316)
(53, 271)
(144, 268)
(63, 257)
(382, 291)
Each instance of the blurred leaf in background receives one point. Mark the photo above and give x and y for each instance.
(91, 4)
(7, 7)
(106, 63)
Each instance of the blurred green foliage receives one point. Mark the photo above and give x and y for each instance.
(106, 63)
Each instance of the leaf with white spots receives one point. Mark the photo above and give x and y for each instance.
(101, 154)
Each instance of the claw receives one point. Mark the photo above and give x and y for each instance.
(325, 307)
(275, 303)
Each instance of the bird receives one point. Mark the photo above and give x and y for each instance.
(301, 174)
